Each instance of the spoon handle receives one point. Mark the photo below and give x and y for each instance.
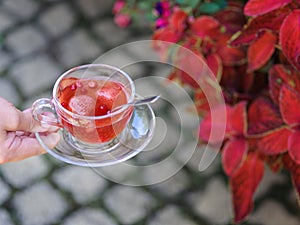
(142, 101)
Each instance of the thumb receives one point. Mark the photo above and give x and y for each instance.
(24, 121)
(13, 119)
(28, 123)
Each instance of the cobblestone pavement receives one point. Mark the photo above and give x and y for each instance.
(39, 39)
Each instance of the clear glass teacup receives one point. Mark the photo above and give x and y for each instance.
(82, 102)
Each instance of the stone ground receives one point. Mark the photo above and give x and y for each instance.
(39, 39)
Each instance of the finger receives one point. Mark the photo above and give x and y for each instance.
(12, 119)
(15, 120)
(42, 127)
(28, 123)
(24, 147)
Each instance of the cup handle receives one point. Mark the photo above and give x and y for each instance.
(40, 108)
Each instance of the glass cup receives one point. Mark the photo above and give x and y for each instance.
(81, 104)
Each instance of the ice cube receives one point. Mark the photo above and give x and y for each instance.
(83, 105)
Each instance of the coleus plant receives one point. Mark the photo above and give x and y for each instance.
(253, 49)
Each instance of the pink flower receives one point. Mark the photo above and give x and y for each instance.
(122, 20)
(161, 22)
(118, 6)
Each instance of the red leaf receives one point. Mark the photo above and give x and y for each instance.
(231, 17)
(274, 162)
(207, 124)
(233, 154)
(201, 102)
(205, 26)
(178, 20)
(263, 116)
(184, 78)
(289, 103)
(294, 146)
(166, 34)
(237, 119)
(275, 142)
(261, 50)
(287, 161)
(214, 62)
(230, 55)
(279, 75)
(243, 38)
(238, 80)
(243, 184)
(190, 65)
(290, 38)
(259, 7)
(270, 21)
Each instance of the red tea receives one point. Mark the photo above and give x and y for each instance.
(91, 97)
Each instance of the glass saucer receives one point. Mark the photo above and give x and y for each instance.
(129, 143)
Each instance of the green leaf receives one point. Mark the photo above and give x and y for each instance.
(144, 5)
(150, 16)
(209, 7)
(181, 2)
(188, 3)
(193, 3)
(222, 3)
(131, 3)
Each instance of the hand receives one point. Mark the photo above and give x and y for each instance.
(17, 140)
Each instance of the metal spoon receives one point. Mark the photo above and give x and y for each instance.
(143, 101)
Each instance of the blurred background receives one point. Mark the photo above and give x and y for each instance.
(39, 40)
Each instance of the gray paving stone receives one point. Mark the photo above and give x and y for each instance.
(35, 73)
(25, 40)
(83, 183)
(140, 47)
(24, 9)
(119, 58)
(293, 197)
(111, 33)
(140, 173)
(162, 171)
(39, 205)
(4, 192)
(272, 213)
(172, 90)
(170, 215)
(119, 173)
(77, 48)
(151, 85)
(270, 178)
(214, 203)
(197, 159)
(28, 103)
(58, 19)
(164, 142)
(129, 204)
(184, 115)
(172, 186)
(6, 20)
(89, 216)
(8, 91)
(23, 173)
(92, 8)
(5, 218)
(5, 60)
